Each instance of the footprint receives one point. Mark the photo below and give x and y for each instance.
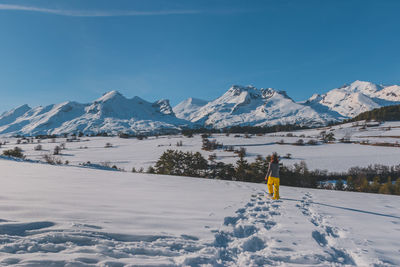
(274, 213)
(242, 231)
(241, 211)
(253, 244)
(257, 209)
(221, 239)
(319, 238)
(231, 220)
(267, 224)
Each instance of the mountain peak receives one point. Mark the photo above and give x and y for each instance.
(110, 95)
(186, 108)
(364, 87)
(238, 89)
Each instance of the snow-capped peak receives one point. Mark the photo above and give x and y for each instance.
(110, 95)
(314, 98)
(238, 89)
(366, 88)
(10, 116)
(247, 105)
(110, 113)
(186, 108)
(20, 109)
(359, 96)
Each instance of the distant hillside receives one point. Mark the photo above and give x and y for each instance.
(389, 113)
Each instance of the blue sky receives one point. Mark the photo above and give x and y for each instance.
(52, 51)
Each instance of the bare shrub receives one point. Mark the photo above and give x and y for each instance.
(287, 156)
(312, 142)
(57, 150)
(281, 142)
(299, 142)
(108, 145)
(51, 159)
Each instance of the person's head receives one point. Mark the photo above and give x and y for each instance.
(274, 158)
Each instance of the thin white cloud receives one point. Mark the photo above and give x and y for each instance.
(84, 13)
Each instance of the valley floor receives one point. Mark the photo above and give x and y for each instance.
(69, 216)
(133, 153)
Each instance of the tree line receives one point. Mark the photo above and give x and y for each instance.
(372, 179)
(388, 113)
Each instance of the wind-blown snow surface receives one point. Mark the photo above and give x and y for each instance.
(53, 216)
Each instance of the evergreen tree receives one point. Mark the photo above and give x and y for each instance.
(258, 170)
(151, 169)
(350, 184)
(224, 171)
(339, 185)
(242, 169)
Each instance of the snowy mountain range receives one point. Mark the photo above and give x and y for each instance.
(112, 113)
(247, 105)
(351, 100)
(256, 107)
(240, 105)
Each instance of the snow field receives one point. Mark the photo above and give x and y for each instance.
(68, 216)
(129, 153)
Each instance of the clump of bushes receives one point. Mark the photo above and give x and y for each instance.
(281, 142)
(16, 152)
(51, 159)
(299, 142)
(210, 145)
(312, 142)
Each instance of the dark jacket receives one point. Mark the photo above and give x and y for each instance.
(273, 170)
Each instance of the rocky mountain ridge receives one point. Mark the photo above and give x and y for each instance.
(238, 106)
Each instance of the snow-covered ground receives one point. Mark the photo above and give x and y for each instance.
(129, 153)
(70, 216)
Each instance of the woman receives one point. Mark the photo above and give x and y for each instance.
(273, 177)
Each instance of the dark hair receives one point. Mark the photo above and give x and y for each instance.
(275, 158)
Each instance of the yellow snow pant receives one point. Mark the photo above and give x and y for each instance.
(273, 186)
